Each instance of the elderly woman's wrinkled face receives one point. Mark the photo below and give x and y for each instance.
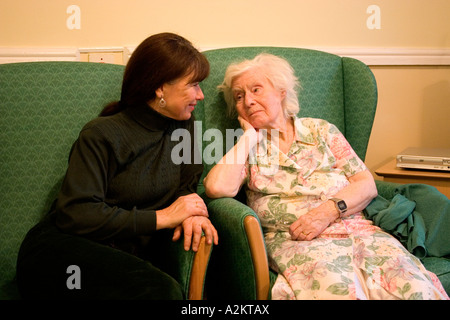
(257, 100)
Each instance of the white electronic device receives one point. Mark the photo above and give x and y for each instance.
(424, 158)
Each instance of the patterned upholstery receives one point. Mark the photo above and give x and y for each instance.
(43, 106)
(340, 90)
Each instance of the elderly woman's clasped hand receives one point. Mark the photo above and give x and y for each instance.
(313, 223)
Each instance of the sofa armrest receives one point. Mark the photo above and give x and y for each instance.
(188, 268)
(386, 189)
(259, 256)
(239, 269)
(199, 268)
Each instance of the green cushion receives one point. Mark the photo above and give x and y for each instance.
(43, 106)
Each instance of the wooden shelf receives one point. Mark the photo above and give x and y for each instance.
(439, 179)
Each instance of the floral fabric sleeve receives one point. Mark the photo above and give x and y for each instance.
(346, 158)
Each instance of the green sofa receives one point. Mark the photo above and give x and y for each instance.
(340, 90)
(43, 106)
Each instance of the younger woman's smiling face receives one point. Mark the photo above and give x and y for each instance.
(181, 97)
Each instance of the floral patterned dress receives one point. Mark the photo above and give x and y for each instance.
(352, 258)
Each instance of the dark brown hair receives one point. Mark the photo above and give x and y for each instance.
(159, 59)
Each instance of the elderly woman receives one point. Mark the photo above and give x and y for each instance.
(308, 188)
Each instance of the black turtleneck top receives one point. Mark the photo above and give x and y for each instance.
(120, 172)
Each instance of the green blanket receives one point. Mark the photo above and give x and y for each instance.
(418, 215)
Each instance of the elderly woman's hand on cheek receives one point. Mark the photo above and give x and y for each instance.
(249, 130)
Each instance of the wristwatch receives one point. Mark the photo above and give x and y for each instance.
(341, 206)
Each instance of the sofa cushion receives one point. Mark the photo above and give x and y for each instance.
(43, 106)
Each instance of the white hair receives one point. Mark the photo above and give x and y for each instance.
(277, 70)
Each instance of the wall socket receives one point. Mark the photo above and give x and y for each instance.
(101, 57)
(114, 55)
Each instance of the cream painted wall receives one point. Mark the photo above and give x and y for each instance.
(414, 101)
(413, 111)
(212, 23)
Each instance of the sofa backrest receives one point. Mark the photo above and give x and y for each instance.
(43, 106)
(340, 90)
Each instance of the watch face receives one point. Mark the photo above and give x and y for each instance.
(342, 206)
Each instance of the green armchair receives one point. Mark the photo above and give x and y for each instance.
(340, 90)
(43, 106)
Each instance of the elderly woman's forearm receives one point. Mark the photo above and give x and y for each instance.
(226, 177)
(359, 193)
(223, 182)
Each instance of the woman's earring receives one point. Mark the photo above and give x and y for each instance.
(162, 102)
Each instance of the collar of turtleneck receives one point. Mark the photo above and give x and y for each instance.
(149, 118)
